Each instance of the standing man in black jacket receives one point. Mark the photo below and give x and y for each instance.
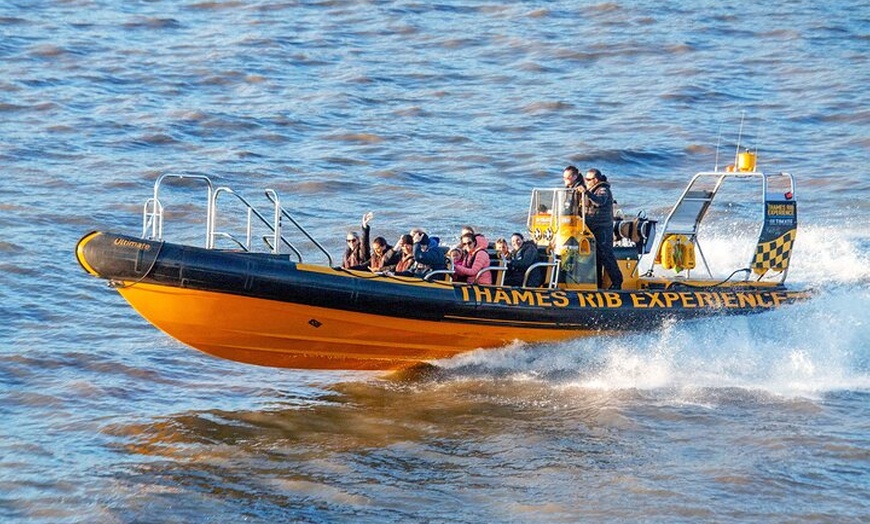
(599, 220)
(572, 180)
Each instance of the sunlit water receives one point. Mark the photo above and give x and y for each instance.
(434, 114)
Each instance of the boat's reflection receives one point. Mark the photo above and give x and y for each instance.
(422, 405)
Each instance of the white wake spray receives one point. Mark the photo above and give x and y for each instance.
(802, 350)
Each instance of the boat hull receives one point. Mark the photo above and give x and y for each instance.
(267, 310)
(282, 334)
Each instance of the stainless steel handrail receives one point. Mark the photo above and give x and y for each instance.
(484, 270)
(554, 275)
(249, 229)
(437, 272)
(273, 197)
(153, 217)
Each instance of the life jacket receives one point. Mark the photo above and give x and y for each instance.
(599, 215)
(405, 263)
(379, 261)
(481, 243)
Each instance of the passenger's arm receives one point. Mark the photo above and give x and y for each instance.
(366, 242)
(599, 197)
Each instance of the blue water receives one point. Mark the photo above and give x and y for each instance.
(433, 114)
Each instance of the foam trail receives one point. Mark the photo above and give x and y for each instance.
(831, 256)
(804, 349)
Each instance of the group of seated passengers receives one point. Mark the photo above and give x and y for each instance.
(416, 254)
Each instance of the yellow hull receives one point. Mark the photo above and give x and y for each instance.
(281, 334)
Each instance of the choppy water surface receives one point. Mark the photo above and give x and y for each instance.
(434, 114)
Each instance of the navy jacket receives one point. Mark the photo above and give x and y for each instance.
(599, 206)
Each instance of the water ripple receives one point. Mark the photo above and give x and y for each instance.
(434, 114)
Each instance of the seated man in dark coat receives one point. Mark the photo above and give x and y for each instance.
(428, 255)
(524, 253)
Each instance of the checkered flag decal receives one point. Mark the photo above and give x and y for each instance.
(774, 254)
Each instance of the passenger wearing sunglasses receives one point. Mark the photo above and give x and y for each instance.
(599, 220)
(357, 252)
(476, 258)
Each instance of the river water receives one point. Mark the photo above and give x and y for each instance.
(435, 114)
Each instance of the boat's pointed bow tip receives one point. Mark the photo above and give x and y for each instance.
(81, 255)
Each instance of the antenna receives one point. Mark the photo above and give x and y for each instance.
(758, 143)
(718, 141)
(739, 137)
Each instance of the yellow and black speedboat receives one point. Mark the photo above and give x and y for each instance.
(273, 309)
